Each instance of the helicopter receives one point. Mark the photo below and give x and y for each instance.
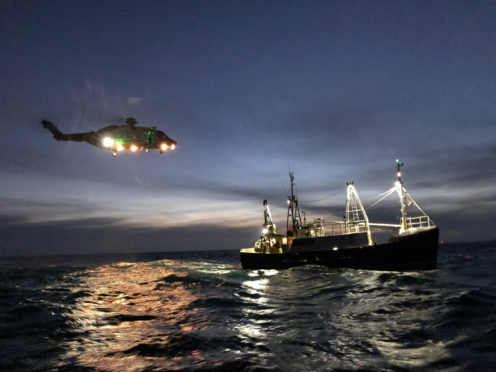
(117, 138)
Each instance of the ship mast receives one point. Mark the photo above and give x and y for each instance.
(293, 210)
(409, 223)
(401, 193)
(269, 226)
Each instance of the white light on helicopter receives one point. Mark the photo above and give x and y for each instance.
(163, 147)
(173, 146)
(108, 142)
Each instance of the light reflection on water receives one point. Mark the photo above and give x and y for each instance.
(139, 315)
(148, 315)
(165, 314)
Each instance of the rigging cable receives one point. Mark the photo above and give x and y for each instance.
(328, 197)
(386, 194)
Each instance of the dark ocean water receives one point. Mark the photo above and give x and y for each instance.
(200, 311)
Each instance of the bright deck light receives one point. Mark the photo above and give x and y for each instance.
(264, 231)
(120, 147)
(163, 147)
(134, 148)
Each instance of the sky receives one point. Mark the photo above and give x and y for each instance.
(336, 90)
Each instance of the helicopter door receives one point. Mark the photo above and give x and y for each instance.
(149, 137)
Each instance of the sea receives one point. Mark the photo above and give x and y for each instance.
(199, 311)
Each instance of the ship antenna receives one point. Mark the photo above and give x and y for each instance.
(401, 193)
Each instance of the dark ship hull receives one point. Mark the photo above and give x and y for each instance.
(416, 251)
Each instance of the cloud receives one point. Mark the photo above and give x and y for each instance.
(70, 199)
(108, 235)
(94, 106)
(133, 101)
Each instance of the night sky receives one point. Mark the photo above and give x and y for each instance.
(337, 90)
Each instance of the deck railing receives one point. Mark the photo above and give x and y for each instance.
(418, 222)
(322, 228)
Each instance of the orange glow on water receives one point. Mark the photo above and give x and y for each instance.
(133, 315)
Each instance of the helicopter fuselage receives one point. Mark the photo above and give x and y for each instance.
(117, 138)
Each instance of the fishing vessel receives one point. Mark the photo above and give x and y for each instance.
(348, 243)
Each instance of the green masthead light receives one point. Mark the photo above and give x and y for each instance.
(399, 162)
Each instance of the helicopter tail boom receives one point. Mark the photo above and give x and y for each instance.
(59, 136)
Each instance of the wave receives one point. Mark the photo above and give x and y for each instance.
(202, 312)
